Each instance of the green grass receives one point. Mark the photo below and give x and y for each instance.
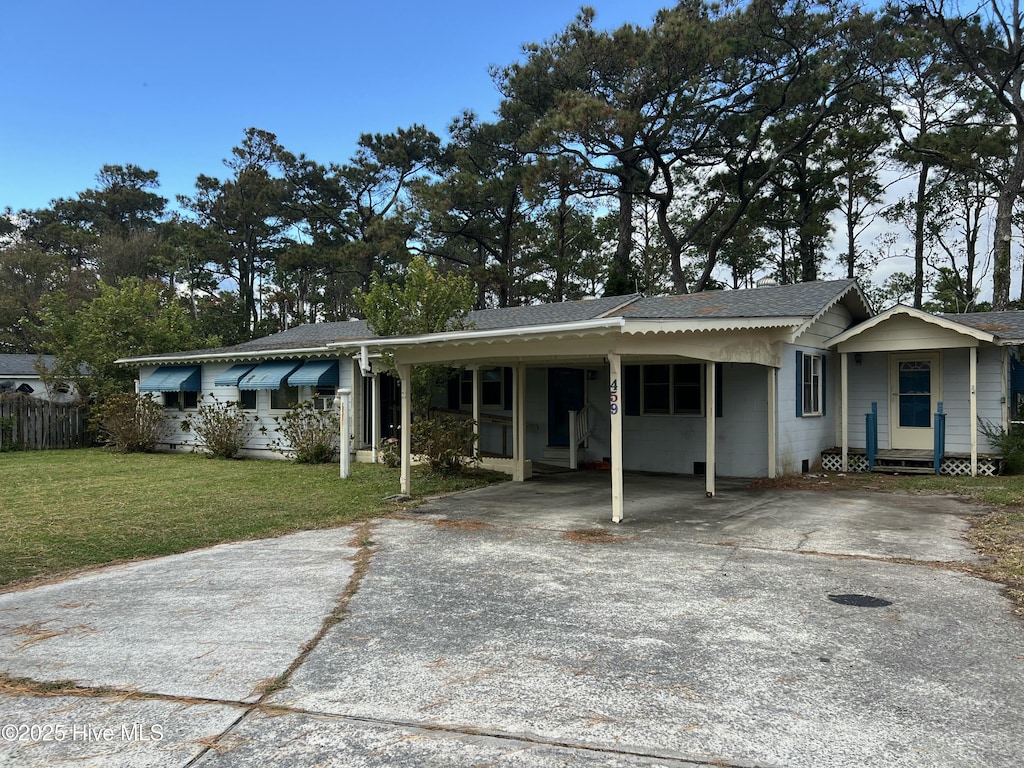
(63, 510)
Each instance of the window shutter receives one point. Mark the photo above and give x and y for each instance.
(799, 383)
(718, 390)
(824, 389)
(631, 385)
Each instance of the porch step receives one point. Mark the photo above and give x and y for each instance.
(903, 469)
(555, 456)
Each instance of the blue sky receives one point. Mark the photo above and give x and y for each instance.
(173, 86)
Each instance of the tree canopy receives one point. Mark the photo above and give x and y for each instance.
(722, 143)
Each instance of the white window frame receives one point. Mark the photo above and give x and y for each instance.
(811, 380)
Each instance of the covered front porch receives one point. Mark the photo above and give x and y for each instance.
(918, 391)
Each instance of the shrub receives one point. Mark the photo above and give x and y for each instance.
(310, 435)
(1009, 443)
(445, 442)
(389, 452)
(131, 423)
(224, 428)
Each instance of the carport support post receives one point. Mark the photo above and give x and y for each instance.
(344, 400)
(375, 415)
(615, 412)
(405, 378)
(476, 411)
(709, 417)
(518, 422)
(773, 420)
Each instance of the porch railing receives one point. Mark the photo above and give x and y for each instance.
(871, 435)
(940, 438)
(579, 432)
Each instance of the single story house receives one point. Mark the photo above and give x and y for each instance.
(19, 373)
(749, 383)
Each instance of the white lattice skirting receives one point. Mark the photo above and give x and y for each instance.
(955, 466)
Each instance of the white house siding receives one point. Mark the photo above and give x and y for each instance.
(956, 373)
(801, 439)
(264, 430)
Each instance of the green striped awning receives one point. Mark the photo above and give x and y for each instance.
(269, 375)
(233, 375)
(173, 378)
(316, 373)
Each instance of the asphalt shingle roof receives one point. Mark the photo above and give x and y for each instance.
(22, 365)
(796, 300)
(1008, 324)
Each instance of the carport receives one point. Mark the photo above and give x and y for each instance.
(606, 341)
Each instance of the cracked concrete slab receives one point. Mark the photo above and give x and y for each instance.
(295, 739)
(674, 508)
(214, 623)
(87, 732)
(674, 649)
(481, 632)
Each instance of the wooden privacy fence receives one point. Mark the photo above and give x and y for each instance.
(28, 423)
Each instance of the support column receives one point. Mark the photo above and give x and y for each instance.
(375, 415)
(476, 411)
(709, 419)
(405, 377)
(343, 401)
(845, 409)
(773, 420)
(518, 422)
(615, 411)
(974, 411)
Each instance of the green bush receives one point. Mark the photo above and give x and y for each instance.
(446, 443)
(310, 435)
(1009, 443)
(389, 452)
(223, 427)
(131, 423)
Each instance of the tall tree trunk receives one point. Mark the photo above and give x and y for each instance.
(919, 223)
(620, 275)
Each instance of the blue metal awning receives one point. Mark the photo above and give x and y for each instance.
(268, 375)
(316, 373)
(174, 378)
(233, 375)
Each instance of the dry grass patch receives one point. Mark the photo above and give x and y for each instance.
(461, 525)
(593, 536)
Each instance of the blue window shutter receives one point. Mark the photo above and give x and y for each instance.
(824, 389)
(799, 383)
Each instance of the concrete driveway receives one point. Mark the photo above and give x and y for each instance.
(515, 626)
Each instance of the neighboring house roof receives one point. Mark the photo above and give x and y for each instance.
(23, 366)
(795, 305)
(1007, 325)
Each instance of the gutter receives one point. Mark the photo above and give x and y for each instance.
(477, 335)
(247, 355)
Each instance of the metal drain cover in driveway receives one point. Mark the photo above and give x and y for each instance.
(860, 601)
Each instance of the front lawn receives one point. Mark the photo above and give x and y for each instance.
(61, 510)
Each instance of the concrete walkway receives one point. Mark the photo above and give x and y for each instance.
(515, 625)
